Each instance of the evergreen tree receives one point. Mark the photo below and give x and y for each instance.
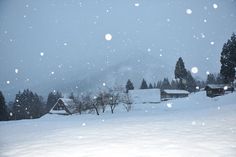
(150, 86)
(190, 82)
(129, 86)
(27, 105)
(211, 79)
(181, 73)
(144, 85)
(228, 60)
(165, 84)
(3, 108)
(72, 96)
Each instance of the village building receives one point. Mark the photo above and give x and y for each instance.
(168, 94)
(64, 107)
(213, 90)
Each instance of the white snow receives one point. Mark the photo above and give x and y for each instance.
(194, 70)
(8, 82)
(136, 4)
(215, 6)
(145, 96)
(189, 11)
(192, 127)
(108, 37)
(16, 71)
(42, 54)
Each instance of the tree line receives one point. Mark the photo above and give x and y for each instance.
(29, 105)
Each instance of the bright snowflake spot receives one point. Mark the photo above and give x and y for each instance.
(207, 72)
(218, 108)
(167, 20)
(149, 50)
(215, 6)
(194, 123)
(27, 5)
(16, 71)
(27, 79)
(207, 58)
(24, 16)
(8, 82)
(169, 105)
(65, 44)
(41, 54)
(225, 87)
(108, 37)
(136, 4)
(189, 11)
(104, 84)
(194, 70)
(84, 124)
(203, 35)
(203, 124)
(11, 114)
(197, 88)
(54, 91)
(205, 20)
(52, 72)
(212, 42)
(160, 55)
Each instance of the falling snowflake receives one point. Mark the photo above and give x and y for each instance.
(212, 42)
(194, 123)
(11, 114)
(203, 35)
(42, 54)
(8, 82)
(83, 124)
(149, 50)
(52, 72)
(189, 11)
(160, 55)
(169, 105)
(205, 20)
(65, 44)
(136, 4)
(218, 108)
(197, 87)
(16, 71)
(207, 72)
(215, 6)
(167, 20)
(203, 124)
(108, 37)
(225, 87)
(194, 70)
(104, 84)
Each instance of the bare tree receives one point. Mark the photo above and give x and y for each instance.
(113, 101)
(125, 99)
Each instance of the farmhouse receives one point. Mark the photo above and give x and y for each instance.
(168, 94)
(64, 107)
(144, 96)
(213, 90)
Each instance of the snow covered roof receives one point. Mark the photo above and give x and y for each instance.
(145, 95)
(217, 86)
(175, 91)
(68, 103)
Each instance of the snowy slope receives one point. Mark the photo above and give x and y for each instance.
(190, 127)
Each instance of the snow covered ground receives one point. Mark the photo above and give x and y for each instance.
(196, 126)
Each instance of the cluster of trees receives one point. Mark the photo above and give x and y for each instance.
(228, 60)
(183, 80)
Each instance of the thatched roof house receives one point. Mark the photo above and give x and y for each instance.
(64, 106)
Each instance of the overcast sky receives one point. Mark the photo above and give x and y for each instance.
(46, 41)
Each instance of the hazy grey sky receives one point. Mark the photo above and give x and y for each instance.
(49, 42)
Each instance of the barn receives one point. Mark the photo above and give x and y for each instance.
(168, 94)
(213, 90)
(144, 96)
(64, 106)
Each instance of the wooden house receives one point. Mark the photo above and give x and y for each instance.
(64, 107)
(168, 94)
(140, 96)
(213, 90)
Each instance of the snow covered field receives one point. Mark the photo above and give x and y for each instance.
(190, 127)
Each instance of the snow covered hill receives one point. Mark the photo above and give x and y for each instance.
(196, 126)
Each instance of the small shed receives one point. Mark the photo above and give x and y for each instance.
(144, 96)
(64, 106)
(213, 90)
(168, 94)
